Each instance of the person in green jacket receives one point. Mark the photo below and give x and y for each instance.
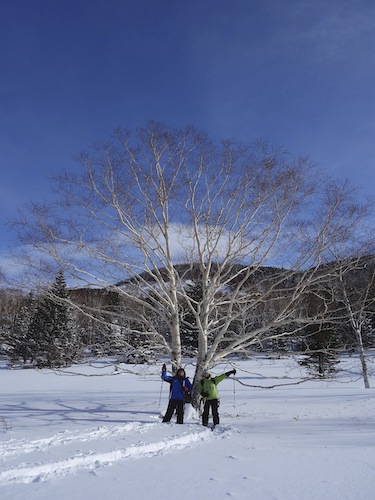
(208, 390)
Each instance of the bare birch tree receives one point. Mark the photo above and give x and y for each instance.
(356, 295)
(226, 212)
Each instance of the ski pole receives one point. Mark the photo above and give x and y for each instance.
(161, 390)
(164, 368)
(234, 394)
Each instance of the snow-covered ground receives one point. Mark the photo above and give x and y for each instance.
(69, 436)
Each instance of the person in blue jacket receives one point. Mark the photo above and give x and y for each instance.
(180, 385)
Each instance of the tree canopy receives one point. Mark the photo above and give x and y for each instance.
(225, 211)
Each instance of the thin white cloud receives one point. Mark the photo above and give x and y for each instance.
(342, 35)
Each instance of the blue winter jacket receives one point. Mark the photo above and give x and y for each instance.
(177, 384)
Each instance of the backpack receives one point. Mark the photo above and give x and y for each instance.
(187, 393)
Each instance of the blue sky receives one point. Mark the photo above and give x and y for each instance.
(299, 73)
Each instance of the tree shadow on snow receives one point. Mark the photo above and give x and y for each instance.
(50, 410)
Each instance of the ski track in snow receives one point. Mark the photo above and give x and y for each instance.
(40, 472)
(15, 447)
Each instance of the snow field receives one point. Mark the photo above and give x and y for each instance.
(82, 436)
(89, 460)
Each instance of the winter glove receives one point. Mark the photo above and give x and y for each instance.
(205, 394)
(164, 368)
(185, 389)
(232, 372)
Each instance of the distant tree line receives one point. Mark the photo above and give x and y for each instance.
(63, 326)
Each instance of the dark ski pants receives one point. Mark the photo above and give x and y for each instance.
(214, 405)
(178, 405)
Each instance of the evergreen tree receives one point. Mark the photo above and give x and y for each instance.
(21, 343)
(321, 345)
(51, 330)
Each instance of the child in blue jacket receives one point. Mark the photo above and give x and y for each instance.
(180, 385)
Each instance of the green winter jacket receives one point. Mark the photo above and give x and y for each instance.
(207, 387)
